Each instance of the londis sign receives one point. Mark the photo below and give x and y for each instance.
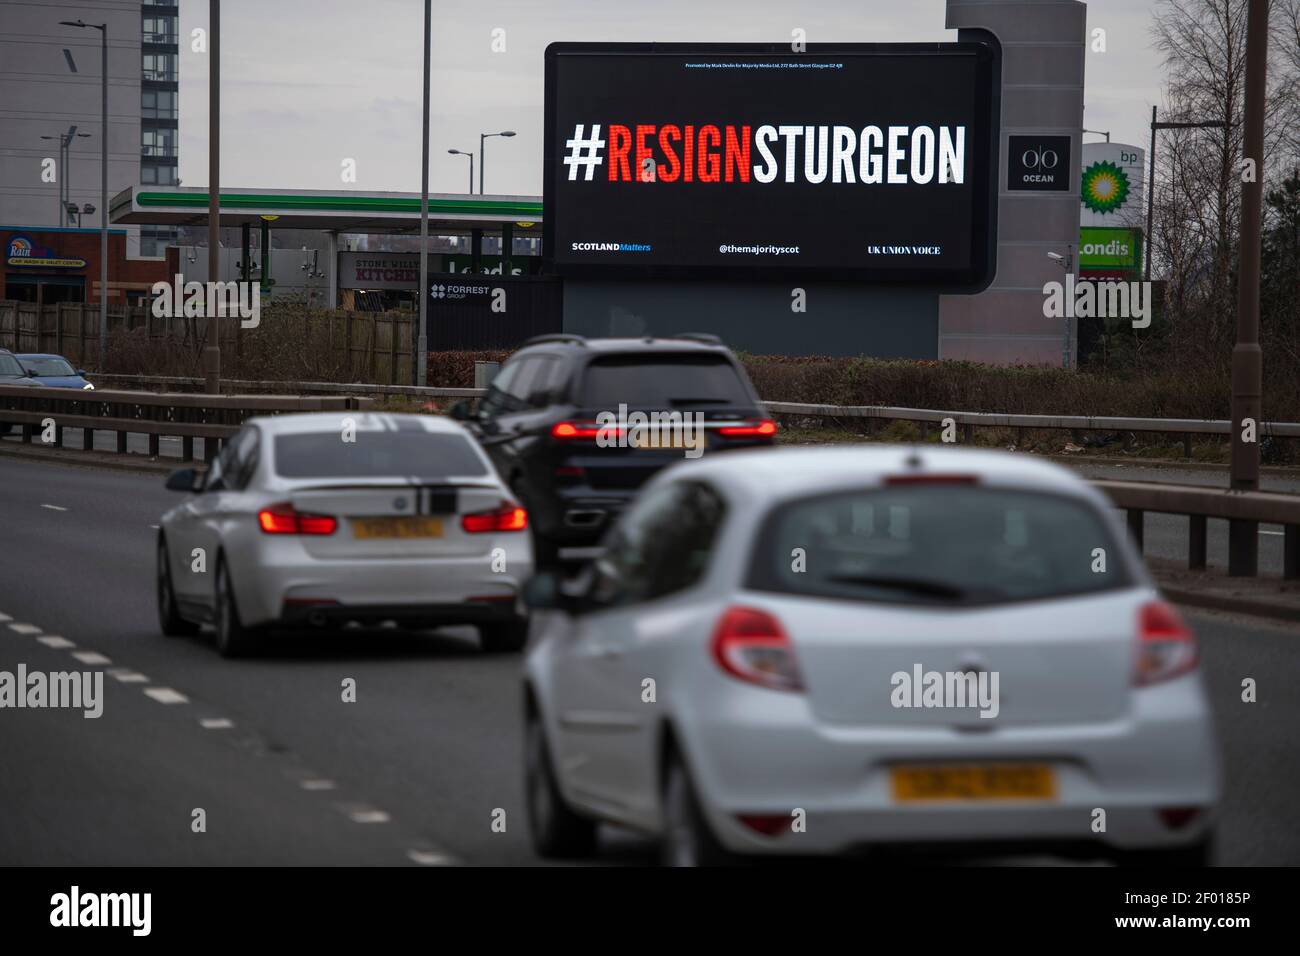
(25, 254)
(860, 161)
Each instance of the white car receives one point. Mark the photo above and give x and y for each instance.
(334, 517)
(814, 651)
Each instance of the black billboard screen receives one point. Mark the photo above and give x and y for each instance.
(865, 162)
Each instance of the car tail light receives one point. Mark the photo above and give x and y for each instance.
(508, 517)
(764, 428)
(283, 518)
(584, 431)
(752, 645)
(1166, 647)
(1175, 818)
(932, 480)
(768, 824)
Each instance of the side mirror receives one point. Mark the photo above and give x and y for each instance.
(462, 411)
(82, 372)
(185, 479)
(29, 372)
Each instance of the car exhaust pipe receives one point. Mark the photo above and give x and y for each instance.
(583, 518)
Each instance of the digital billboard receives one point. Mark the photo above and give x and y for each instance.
(866, 162)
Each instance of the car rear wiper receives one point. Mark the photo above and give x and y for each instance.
(911, 585)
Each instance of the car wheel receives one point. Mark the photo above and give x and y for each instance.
(557, 832)
(1198, 854)
(687, 839)
(233, 638)
(169, 619)
(503, 637)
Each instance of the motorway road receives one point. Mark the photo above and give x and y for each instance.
(412, 772)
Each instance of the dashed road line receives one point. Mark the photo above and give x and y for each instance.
(125, 675)
(91, 657)
(25, 628)
(359, 813)
(430, 857)
(165, 695)
(54, 507)
(56, 642)
(4, 618)
(317, 784)
(216, 723)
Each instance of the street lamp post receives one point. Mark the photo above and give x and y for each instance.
(1099, 132)
(1247, 359)
(422, 341)
(65, 165)
(1151, 176)
(482, 137)
(103, 182)
(461, 152)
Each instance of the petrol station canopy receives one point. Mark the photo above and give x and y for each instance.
(344, 212)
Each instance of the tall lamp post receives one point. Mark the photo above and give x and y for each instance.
(103, 181)
(1247, 359)
(1151, 176)
(65, 164)
(482, 137)
(461, 152)
(422, 340)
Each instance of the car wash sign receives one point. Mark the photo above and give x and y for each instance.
(864, 161)
(25, 254)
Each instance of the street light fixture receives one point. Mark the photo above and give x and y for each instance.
(482, 137)
(103, 176)
(461, 152)
(1099, 132)
(65, 165)
(1151, 176)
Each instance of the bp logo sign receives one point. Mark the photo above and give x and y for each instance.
(1105, 187)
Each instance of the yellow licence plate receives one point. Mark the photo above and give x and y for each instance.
(974, 782)
(397, 527)
(663, 439)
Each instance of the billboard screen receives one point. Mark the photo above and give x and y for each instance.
(866, 161)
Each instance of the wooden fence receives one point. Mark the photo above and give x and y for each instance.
(374, 346)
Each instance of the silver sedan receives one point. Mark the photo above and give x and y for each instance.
(308, 520)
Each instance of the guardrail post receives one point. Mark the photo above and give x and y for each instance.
(209, 449)
(1291, 551)
(1243, 548)
(121, 443)
(1135, 525)
(58, 436)
(1196, 542)
(153, 446)
(187, 448)
(88, 439)
(1187, 444)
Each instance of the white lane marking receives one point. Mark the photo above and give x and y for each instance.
(91, 657)
(216, 723)
(365, 814)
(54, 507)
(58, 643)
(5, 617)
(316, 784)
(25, 628)
(165, 695)
(127, 676)
(154, 526)
(430, 858)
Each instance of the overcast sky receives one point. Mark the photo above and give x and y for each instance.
(307, 84)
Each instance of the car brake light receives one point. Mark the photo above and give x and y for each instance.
(768, 824)
(1175, 818)
(759, 429)
(508, 517)
(581, 431)
(752, 645)
(932, 480)
(1166, 647)
(283, 518)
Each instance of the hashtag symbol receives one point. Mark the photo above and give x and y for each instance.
(583, 152)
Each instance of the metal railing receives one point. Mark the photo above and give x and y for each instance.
(208, 418)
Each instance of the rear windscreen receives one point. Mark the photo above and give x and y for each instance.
(936, 544)
(376, 454)
(663, 381)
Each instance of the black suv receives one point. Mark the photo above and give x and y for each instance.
(540, 422)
